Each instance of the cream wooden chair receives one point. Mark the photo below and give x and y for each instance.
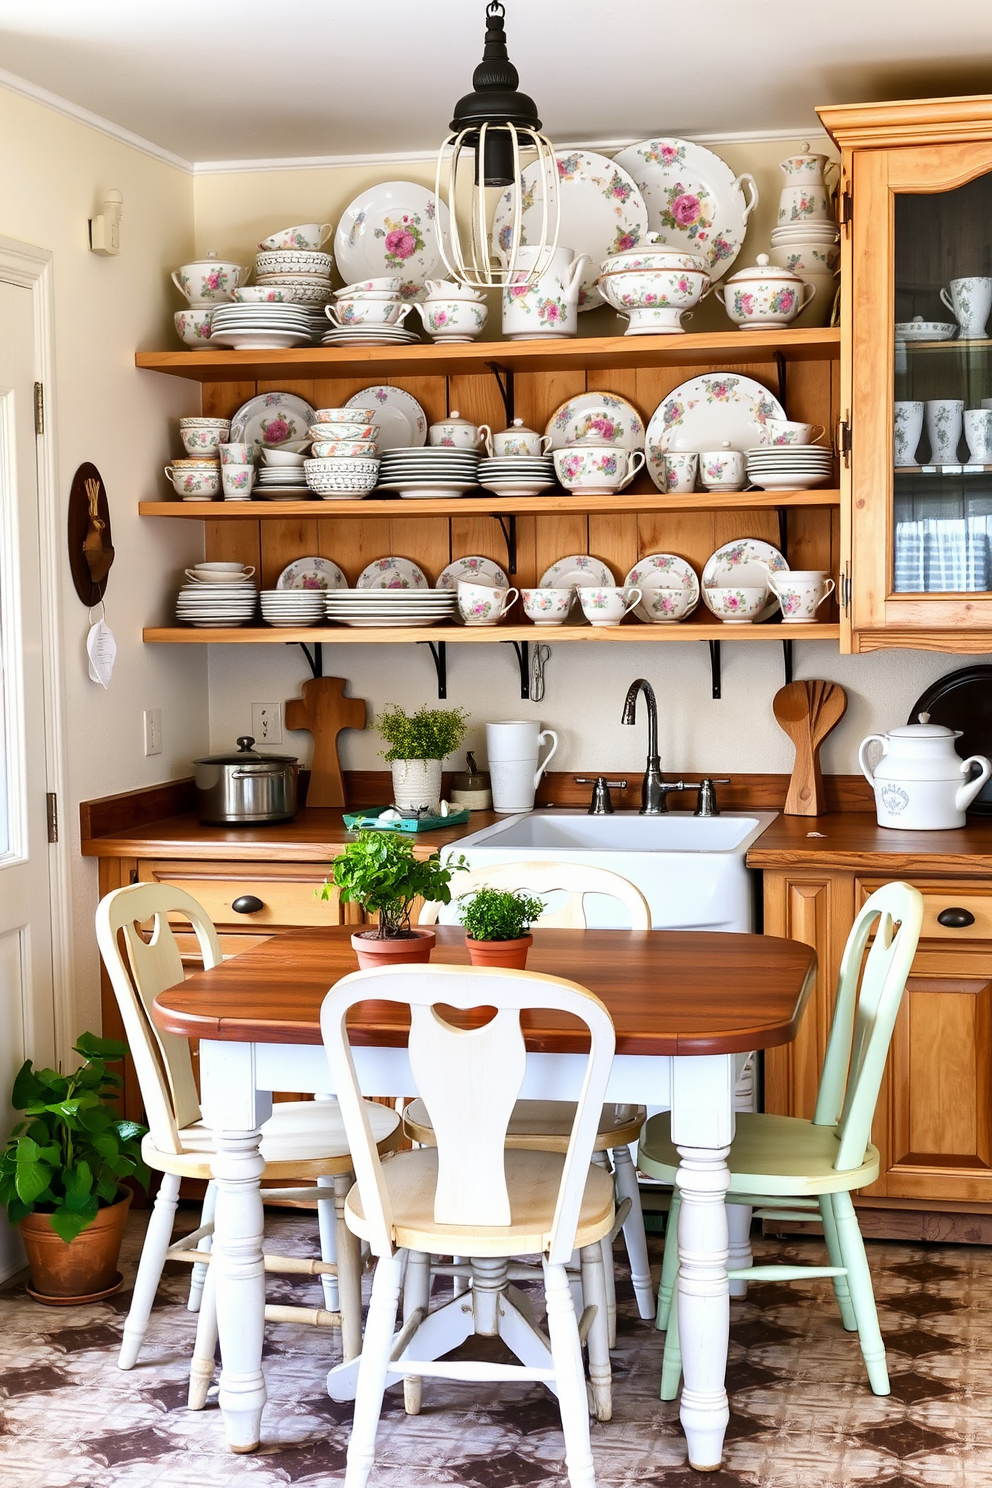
(546, 1125)
(791, 1169)
(301, 1140)
(473, 1196)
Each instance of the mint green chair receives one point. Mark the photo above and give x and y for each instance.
(793, 1169)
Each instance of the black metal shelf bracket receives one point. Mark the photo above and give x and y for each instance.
(504, 381)
(780, 369)
(439, 651)
(715, 668)
(787, 659)
(315, 658)
(508, 526)
(522, 649)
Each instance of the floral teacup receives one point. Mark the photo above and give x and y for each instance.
(193, 325)
(478, 604)
(735, 606)
(547, 606)
(607, 606)
(680, 470)
(362, 311)
(311, 235)
(596, 470)
(723, 470)
(800, 594)
(208, 281)
(194, 480)
(237, 481)
(666, 606)
(202, 436)
(788, 431)
(453, 320)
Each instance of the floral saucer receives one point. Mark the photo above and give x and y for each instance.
(388, 401)
(312, 573)
(602, 212)
(473, 570)
(706, 413)
(392, 573)
(393, 229)
(271, 419)
(663, 571)
(729, 565)
(605, 415)
(577, 572)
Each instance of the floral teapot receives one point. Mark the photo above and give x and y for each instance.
(920, 782)
(549, 306)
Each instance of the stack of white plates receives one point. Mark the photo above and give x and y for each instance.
(368, 335)
(805, 232)
(282, 482)
(789, 467)
(517, 475)
(259, 327)
(433, 470)
(384, 607)
(216, 604)
(293, 606)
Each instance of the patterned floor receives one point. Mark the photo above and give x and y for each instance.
(802, 1415)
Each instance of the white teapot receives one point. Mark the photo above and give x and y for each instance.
(549, 306)
(920, 782)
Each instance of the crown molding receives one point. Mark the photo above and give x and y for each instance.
(68, 110)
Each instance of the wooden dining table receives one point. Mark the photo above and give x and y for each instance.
(688, 1008)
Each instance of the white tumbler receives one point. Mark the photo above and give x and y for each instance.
(513, 748)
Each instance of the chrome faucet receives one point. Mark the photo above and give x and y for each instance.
(653, 789)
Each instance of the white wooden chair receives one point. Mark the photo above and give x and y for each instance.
(545, 1125)
(792, 1169)
(470, 1195)
(301, 1140)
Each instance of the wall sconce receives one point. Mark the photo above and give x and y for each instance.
(105, 230)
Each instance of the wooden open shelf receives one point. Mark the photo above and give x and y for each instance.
(688, 630)
(580, 353)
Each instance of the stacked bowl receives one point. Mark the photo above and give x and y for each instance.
(517, 475)
(218, 594)
(281, 476)
(344, 463)
(291, 260)
(292, 606)
(370, 313)
(422, 472)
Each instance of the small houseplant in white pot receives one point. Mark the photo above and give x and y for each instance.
(416, 745)
(497, 926)
(380, 871)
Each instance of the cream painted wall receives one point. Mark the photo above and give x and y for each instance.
(585, 684)
(53, 173)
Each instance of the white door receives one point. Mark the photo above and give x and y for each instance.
(26, 985)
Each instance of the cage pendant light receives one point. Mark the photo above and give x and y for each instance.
(495, 134)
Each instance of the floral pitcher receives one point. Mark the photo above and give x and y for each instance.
(549, 306)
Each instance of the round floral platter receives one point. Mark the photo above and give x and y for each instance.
(393, 228)
(729, 566)
(577, 572)
(663, 571)
(694, 200)
(602, 212)
(392, 573)
(385, 402)
(272, 419)
(472, 571)
(606, 415)
(706, 413)
(312, 573)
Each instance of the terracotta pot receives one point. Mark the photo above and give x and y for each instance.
(373, 954)
(509, 953)
(85, 1266)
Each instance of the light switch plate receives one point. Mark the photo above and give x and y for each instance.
(153, 731)
(266, 723)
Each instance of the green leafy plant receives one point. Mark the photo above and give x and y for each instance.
(430, 733)
(379, 871)
(499, 914)
(69, 1157)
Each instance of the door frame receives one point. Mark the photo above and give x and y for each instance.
(32, 268)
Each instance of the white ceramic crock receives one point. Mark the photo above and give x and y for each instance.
(921, 784)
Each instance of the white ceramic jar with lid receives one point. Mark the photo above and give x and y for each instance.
(518, 439)
(921, 783)
(454, 432)
(765, 296)
(209, 280)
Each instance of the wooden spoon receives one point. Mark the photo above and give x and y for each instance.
(807, 711)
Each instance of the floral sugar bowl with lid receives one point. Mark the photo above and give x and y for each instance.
(765, 297)
(921, 783)
(454, 432)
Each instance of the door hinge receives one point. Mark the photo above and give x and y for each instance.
(845, 587)
(39, 408)
(844, 440)
(845, 214)
(52, 814)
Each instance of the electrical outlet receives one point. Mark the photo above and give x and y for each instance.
(266, 723)
(153, 731)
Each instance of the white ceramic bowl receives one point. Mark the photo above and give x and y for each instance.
(547, 606)
(341, 465)
(806, 258)
(735, 606)
(268, 294)
(366, 433)
(453, 320)
(385, 284)
(344, 416)
(309, 236)
(282, 457)
(346, 449)
(315, 292)
(193, 326)
(294, 261)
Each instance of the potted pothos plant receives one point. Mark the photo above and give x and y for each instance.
(497, 926)
(416, 745)
(62, 1172)
(380, 871)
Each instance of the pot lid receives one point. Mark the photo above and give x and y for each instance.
(653, 242)
(247, 754)
(518, 427)
(209, 258)
(923, 730)
(763, 268)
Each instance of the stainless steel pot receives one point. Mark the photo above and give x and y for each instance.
(246, 788)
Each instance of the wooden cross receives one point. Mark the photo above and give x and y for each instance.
(324, 711)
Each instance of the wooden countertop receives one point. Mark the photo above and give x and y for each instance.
(854, 840)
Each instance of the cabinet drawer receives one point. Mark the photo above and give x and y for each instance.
(971, 900)
(286, 893)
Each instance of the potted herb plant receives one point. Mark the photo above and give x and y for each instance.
(417, 743)
(62, 1172)
(379, 871)
(497, 926)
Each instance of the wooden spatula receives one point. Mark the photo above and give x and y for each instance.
(807, 711)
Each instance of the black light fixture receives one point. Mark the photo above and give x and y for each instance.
(496, 128)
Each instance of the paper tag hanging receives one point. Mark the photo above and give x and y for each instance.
(101, 648)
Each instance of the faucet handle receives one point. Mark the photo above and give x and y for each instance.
(706, 800)
(601, 803)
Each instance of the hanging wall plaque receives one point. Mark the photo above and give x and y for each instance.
(91, 550)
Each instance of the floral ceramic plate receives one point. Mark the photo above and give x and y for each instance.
(271, 419)
(312, 573)
(385, 402)
(663, 571)
(729, 565)
(578, 572)
(606, 415)
(693, 198)
(393, 228)
(473, 571)
(602, 212)
(706, 413)
(392, 573)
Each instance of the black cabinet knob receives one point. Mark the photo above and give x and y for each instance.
(247, 904)
(955, 919)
